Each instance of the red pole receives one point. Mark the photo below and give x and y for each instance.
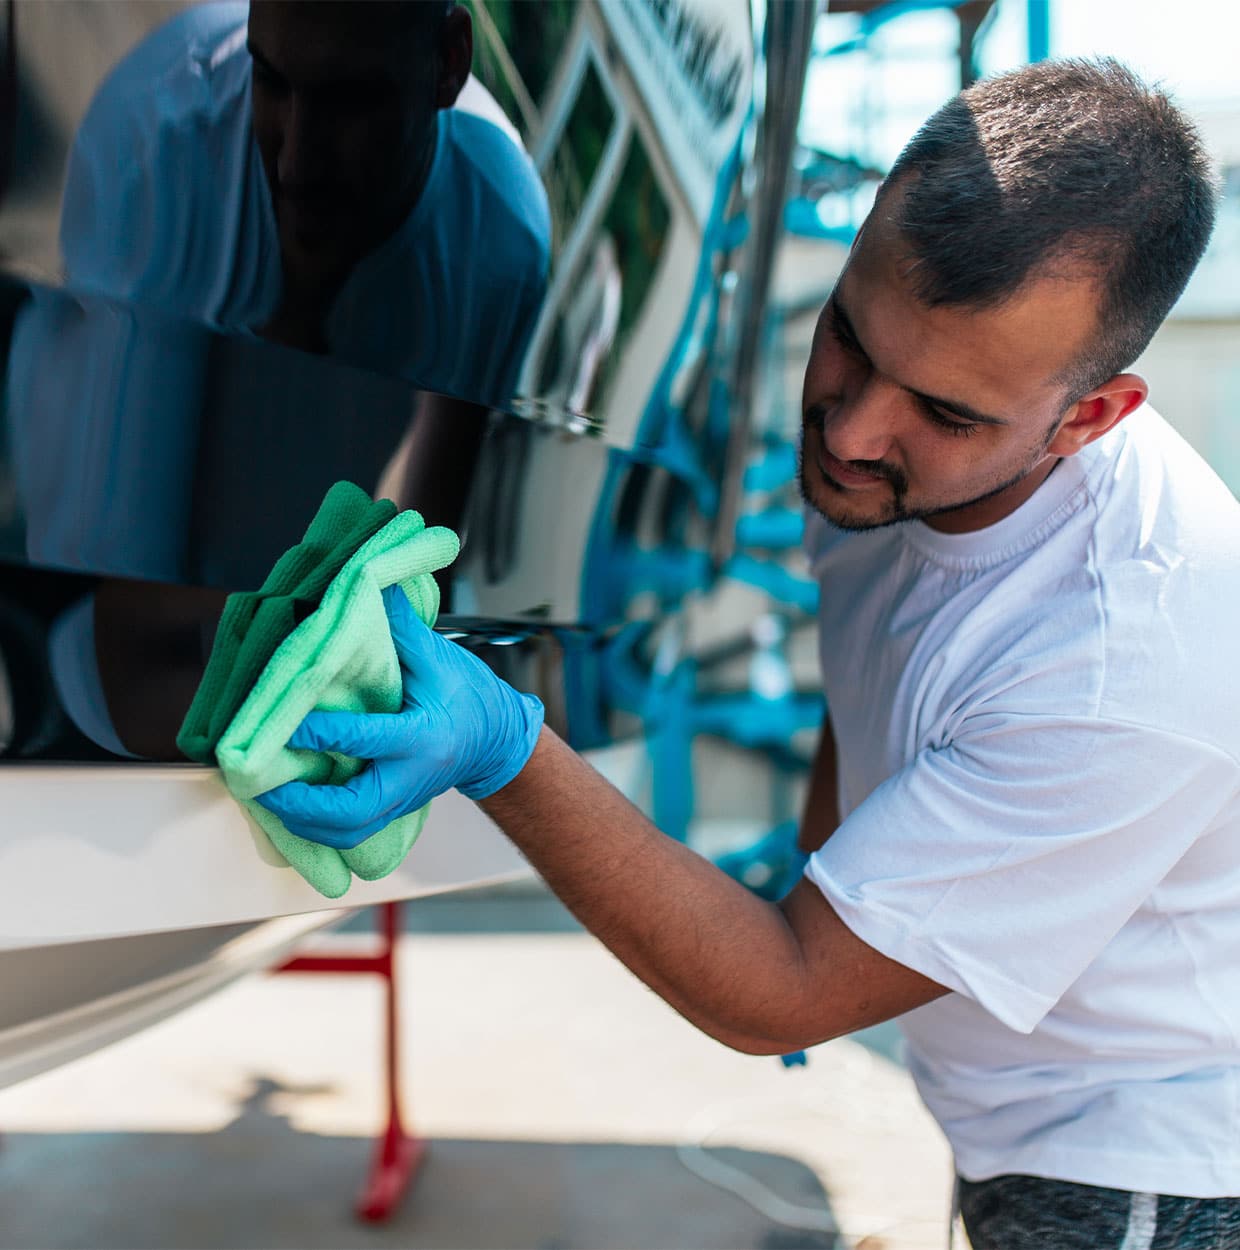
(397, 1156)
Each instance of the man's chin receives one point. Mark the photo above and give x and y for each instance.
(844, 514)
(856, 524)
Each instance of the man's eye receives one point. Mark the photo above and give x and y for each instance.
(844, 339)
(353, 101)
(946, 421)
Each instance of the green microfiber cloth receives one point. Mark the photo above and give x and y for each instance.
(341, 658)
(254, 623)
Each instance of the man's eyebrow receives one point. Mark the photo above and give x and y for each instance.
(847, 333)
(958, 409)
(843, 327)
(347, 82)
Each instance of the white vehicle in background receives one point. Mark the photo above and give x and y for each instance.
(131, 887)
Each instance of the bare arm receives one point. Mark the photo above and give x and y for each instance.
(440, 458)
(760, 977)
(822, 807)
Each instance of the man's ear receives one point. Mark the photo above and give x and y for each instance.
(1101, 410)
(456, 55)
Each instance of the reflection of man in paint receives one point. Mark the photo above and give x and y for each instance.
(325, 174)
(329, 176)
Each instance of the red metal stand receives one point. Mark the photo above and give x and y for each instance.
(398, 1155)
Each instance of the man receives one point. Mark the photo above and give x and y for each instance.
(1024, 817)
(324, 173)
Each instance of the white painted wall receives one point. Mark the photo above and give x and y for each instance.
(1193, 368)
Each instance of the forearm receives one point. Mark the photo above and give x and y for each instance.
(759, 977)
(727, 961)
(443, 449)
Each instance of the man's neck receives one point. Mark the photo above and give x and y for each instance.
(994, 508)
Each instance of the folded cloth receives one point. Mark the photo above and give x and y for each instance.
(254, 623)
(340, 658)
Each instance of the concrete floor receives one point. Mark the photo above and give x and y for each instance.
(561, 1100)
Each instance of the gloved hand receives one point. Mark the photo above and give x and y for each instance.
(459, 727)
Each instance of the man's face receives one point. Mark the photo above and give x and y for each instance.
(947, 414)
(344, 102)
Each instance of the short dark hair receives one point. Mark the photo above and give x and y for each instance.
(1060, 161)
(424, 18)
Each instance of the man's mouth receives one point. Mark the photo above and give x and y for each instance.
(840, 473)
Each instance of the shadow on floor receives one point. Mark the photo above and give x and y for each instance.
(259, 1182)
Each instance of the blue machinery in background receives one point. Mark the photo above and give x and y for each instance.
(1039, 29)
(686, 455)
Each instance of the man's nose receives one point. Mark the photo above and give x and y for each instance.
(300, 162)
(862, 426)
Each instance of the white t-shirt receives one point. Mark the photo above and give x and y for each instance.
(1039, 782)
(166, 205)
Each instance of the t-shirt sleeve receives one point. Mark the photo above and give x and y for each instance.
(530, 245)
(109, 215)
(151, 167)
(1001, 864)
(524, 310)
(497, 233)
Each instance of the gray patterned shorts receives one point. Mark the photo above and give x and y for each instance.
(1029, 1213)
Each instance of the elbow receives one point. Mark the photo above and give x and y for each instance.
(763, 1047)
(764, 1044)
(767, 1049)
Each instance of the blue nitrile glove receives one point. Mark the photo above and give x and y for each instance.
(459, 727)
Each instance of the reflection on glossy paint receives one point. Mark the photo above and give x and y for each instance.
(161, 446)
